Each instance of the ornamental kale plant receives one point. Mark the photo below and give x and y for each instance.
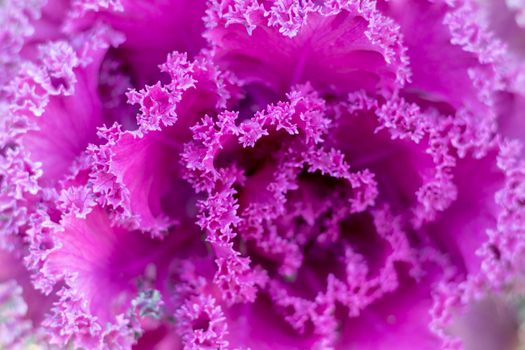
(262, 174)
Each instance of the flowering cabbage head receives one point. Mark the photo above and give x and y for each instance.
(262, 174)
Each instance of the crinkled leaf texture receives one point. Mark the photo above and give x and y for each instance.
(262, 174)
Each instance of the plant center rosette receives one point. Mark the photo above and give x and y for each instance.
(260, 175)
